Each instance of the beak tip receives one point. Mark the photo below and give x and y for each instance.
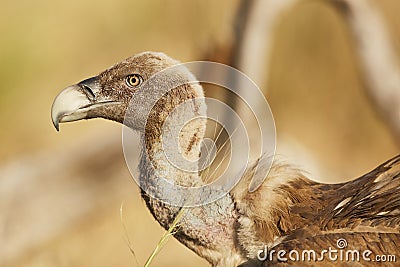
(56, 124)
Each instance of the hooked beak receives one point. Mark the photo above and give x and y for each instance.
(74, 102)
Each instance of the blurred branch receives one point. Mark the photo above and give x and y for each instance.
(377, 56)
(252, 35)
(252, 57)
(253, 31)
(249, 50)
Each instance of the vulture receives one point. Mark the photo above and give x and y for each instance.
(289, 220)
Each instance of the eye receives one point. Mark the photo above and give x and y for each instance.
(133, 80)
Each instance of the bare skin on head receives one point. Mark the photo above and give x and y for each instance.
(284, 211)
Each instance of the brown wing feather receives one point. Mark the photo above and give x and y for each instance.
(369, 204)
(365, 212)
(371, 200)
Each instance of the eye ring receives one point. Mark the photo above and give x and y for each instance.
(133, 80)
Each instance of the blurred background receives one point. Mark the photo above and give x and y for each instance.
(61, 193)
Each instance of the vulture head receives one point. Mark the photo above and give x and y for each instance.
(129, 87)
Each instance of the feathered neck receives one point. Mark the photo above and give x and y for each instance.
(173, 135)
(208, 229)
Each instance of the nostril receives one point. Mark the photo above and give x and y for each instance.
(88, 91)
(89, 86)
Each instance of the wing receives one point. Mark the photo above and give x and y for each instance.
(370, 201)
(368, 205)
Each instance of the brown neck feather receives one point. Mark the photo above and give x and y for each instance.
(208, 229)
